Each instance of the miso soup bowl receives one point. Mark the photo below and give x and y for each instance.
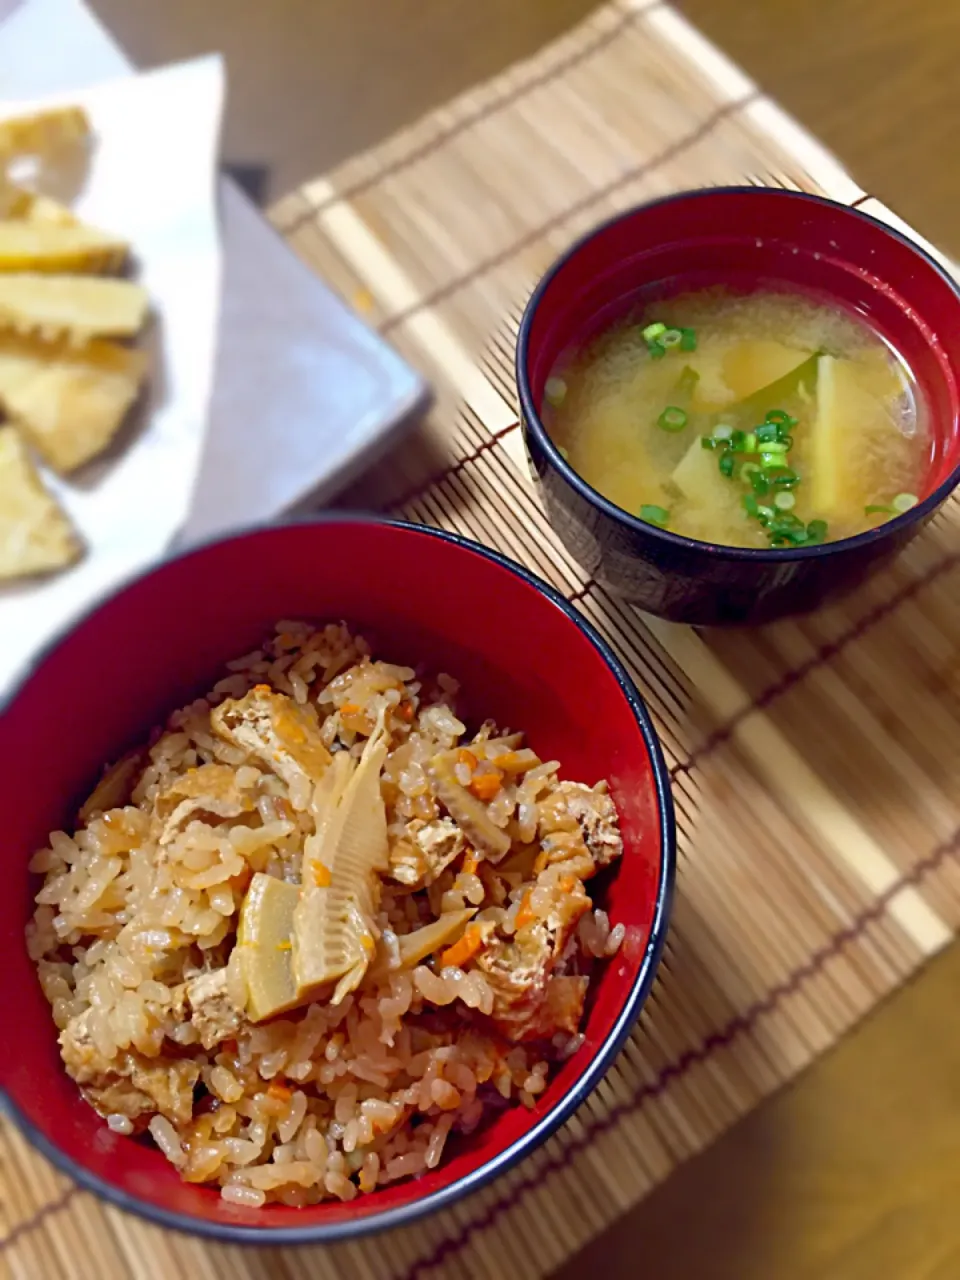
(743, 238)
(522, 654)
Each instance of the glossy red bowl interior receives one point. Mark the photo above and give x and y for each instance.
(745, 238)
(523, 655)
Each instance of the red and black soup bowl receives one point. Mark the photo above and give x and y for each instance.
(742, 238)
(523, 655)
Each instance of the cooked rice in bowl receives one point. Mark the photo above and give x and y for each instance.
(315, 927)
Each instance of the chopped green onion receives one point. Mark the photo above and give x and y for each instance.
(726, 464)
(653, 331)
(766, 432)
(555, 389)
(784, 501)
(750, 504)
(786, 522)
(563, 453)
(672, 419)
(688, 341)
(708, 442)
(785, 479)
(786, 441)
(768, 459)
(657, 351)
(688, 380)
(655, 515)
(750, 442)
(671, 338)
(779, 418)
(774, 446)
(748, 470)
(766, 513)
(903, 502)
(758, 481)
(722, 432)
(737, 441)
(878, 509)
(817, 530)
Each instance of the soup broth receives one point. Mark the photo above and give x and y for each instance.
(750, 420)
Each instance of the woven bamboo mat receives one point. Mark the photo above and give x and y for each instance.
(815, 762)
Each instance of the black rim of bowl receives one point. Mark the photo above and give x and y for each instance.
(533, 423)
(319, 1232)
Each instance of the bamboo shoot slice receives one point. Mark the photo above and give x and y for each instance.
(748, 367)
(82, 307)
(35, 535)
(70, 401)
(264, 937)
(43, 131)
(841, 485)
(55, 247)
(334, 929)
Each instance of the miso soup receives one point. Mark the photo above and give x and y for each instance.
(749, 420)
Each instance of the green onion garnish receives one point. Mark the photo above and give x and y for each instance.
(785, 479)
(878, 509)
(774, 446)
(708, 442)
(555, 389)
(657, 350)
(750, 504)
(766, 513)
(726, 463)
(817, 530)
(671, 338)
(688, 380)
(784, 501)
(768, 459)
(688, 340)
(749, 470)
(759, 482)
(779, 418)
(672, 418)
(766, 432)
(722, 432)
(563, 453)
(653, 331)
(738, 441)
(750, 442)
(655, 515)
(903, 502)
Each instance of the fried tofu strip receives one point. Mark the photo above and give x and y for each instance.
(69, 401)
(35, 535)
(82, 307)
(50, 246)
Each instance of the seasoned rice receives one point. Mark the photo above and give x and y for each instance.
(430, 988)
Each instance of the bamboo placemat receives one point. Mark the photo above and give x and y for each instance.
(815, 762)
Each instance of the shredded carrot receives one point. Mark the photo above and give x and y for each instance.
(321, 875)
(285, 946)
(405, 710)
(486, 785)
(467, 757)
(465, 949)
(526, 915)
(279, 1091)
(470, 863)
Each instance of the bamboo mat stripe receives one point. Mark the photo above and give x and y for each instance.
(814, 761)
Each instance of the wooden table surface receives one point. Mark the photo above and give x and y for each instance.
(853, 1172)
